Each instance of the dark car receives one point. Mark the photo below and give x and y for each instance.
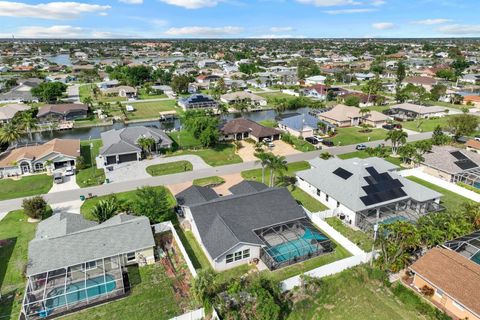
(328, 143)
(312, 140)
(361, 147)
(388, 126)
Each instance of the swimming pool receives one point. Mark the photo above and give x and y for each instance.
(393, 219)
(79, 291)
(296, 248)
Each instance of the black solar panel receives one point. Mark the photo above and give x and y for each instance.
(466, 164)
(342, 173)
(458, 155)
(381, 187)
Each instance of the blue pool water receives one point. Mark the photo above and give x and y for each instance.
(476, 258)
(94, 287)
(477, 185)
(296, 248)
(393, 219)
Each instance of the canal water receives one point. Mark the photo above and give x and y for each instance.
(172, 125)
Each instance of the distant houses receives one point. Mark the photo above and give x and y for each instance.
(408, 111)
(62, 112)
(304, 125)
(346, 116)
(243, 97)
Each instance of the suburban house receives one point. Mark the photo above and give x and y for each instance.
(74, 263)
(314, 80)
(364, 76)
(473, 145)
(122, 145)
(56, 153)
(197, 101)
(346, 116)
(453, 277)
(255, 224)
(472, 78)
(406, 111)
(62, 112)
(366, 100)
(239, 129)
(426, 82)
(453, 165)
(245, 97)
(7, 112)
(22, 92)
(365, 192)
(120, 91)
(320, 91)
(304, 125)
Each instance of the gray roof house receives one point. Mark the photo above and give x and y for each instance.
(9, 111)
(303, 125)
(122, 145)
(73, 262)
(364, 192)
(254, 222)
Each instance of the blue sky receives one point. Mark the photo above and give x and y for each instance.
(239, 18)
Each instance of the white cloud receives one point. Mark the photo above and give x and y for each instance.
(378, 3)
(132, 1)
(383, 25)
(329, 3)
(193, 4)
(65, 32)
(429, 22)
(349, 11)
(281, 29)
(277, 36)
(204, 31)
(460, 29)
(51, 10)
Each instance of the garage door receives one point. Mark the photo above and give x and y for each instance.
(111, 159)
(127, 157)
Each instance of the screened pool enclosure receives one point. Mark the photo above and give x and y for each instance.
(467, 246)
(58, 291)
(292, 242)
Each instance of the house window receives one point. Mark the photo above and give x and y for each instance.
(90, 265)
(338, 204)
(238, 255)
(230, 258)
(318, 192)
(326, 197)
(246, 253)
(131, 256)
(38, 166)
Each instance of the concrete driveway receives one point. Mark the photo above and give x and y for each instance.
(69, 183)
(138, 169)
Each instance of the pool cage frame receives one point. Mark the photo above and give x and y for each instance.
(469, 176)
(284, 233)
(467, 246)
(38, 296)
(408, 209)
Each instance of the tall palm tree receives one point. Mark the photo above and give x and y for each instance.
(28, 123)
(277, 164)
(286, 181)
(398, 138)
(264, 160)
(104, 209)
(10, 133)
(146, 144)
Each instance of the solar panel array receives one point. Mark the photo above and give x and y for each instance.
(381, 187)
(463, 162)
(342, 173)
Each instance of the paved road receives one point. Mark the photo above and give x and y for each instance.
(65, 196)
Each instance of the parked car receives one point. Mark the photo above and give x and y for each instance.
(58, 177)
(477, 138)
(271, 145)
(388, 126)
(69, 171)
(328, 143)
(312, 140)
(361, 147)
(318, 138)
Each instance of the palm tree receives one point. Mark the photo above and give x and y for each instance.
(286, 181)
(10, 133)
(398, 138)
(104, 210)
(277, 164)
(88, 101)
(264, 160)
(146, 144)
(28, 122)
(325, 155)
(222, 110)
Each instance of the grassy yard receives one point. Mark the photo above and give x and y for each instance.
(268, 123)
(307, 201)
(184, 139)
(122, 196)
(362, 155)
(271, 96)
(425, 125)
(301, 144)
(361, 294)
(221, 154)
(256, 174)
(213, 180)
(450, 200)
(360, 238)
(152, 297)
(144, 96)
(147, 110)
(85, 91)
(169, 168)
(352, 135)
(91, 175)
(25, 186)
(15, 233)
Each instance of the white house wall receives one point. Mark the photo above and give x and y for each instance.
(220, 264)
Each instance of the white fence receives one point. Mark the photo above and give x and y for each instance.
(168, 226)
(196, 315)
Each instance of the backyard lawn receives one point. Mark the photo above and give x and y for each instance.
(361, 294)
(307, 201)
(144, 96)
(25, 187)
(352, 135)
(91, 175)
(169, 168)
(15, 233)
(184, 139)
(360, 238)
(221, 154)
(147, 110)
(208, 181)
(268, 123)
(425, 125)
(301, 144)
(362, 155)
(256, 174)
(450, 200)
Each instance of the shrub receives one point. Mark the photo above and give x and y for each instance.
(427, 291)
(35, 208)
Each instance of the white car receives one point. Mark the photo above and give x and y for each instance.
(69, 171)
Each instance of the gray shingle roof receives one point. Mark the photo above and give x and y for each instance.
(81, 241)
(227, 221)
(441, 158)
(349, 191)
(195, 195)
(247, 186)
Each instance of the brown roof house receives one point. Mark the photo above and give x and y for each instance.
(455, 281)
(239, 129)
(473, 145)
(345, 116)
(121, 91)
(55, 154)
(62, 112)
(9, 111)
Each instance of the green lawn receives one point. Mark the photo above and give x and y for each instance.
(184, 139)
(221, 154)
(208, 181)
(256, 174)
(15, 233)
(85, 91)
(268, 123)
(360, 294)
(352, 135)
(425, 125)
(144, 96)
(147, 110)
(152, 297)
(307, 201)
(301, 144)
(271, 96)
(362, 155)
(25, 186)
(91, 175)
(169, 168)
(122, 196)
(360, 238)
(450, 200)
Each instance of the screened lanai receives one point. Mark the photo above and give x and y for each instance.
(467, 246)
(57, 291)
(292, 242)
(470, 177)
